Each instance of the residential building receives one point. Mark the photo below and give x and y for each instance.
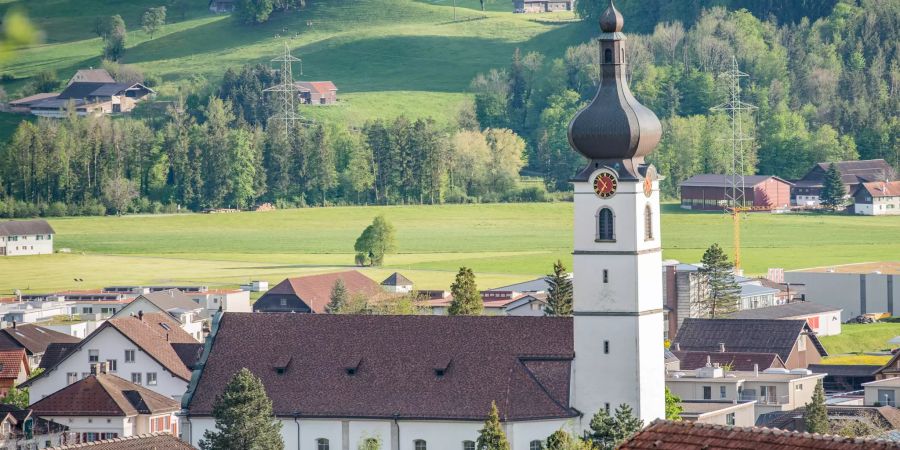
(772, 389)
(311, 293)
(890, 369)
(719, 412)
(884, 392)
(34, 311)
(682, 435)
(792, 340)
(868, 417)
(151, 441)
(711, 192)
(226, 300)
(89, 304)
(542, 6)
(104, 406)
(256, 286)
(316, 92)
(173, 302)
(854, 288)
(24, 430)
(506, 303)
(824, 320)
(149, 349)
(74, 325)
(33, 339)
(26, 237)
(741, 361)
(397, 284)
(14, 369)
(877, 198)
(805, 191)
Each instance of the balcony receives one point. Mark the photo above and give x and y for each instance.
(765, 399)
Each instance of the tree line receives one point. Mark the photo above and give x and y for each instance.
(827, 89)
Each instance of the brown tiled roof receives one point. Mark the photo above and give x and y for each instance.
(25, 227)
(321, 87)
(315, 290)
(883, 189)
(522, 363)
(155, 441)
(743, 335)
(737, 360)
(685, 435)
(11, 363)
(103, 395)
(32, 338)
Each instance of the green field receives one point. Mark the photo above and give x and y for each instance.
(860, 338)
(387, 57)
(503, 243)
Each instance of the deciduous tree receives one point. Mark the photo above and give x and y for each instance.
(376, 241)
(153, 20)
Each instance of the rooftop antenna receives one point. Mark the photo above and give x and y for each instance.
(287, 90)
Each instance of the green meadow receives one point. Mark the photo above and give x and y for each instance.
(503, 243)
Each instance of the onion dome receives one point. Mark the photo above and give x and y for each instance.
(614, 125)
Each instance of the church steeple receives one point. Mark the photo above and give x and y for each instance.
(614, 126)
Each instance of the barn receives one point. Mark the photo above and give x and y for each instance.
(709, 191)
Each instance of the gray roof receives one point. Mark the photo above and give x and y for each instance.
(171, 301)
(94, 75)
(845, 370)
(25, 228)
(744, 335)
(536, 285)
(748, 290)
(784, 311)
(83, 90)
(715, 180)
(396, 279)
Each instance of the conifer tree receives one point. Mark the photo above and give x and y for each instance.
(608, 431)
(832, 195)
(466, 298)
(559, 296)
(816, 415)
(338, 297)
(244, 418)
(722, 291)
(492, 437)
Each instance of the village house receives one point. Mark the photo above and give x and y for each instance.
(88, 92)
(104, 406)
(24, 430)
(26, 237)
(427, 382)
(397, 284)
(312, 293)
(710, 192)
(149, 349)
(498, 303)
(805, 191)
(316, 92)
(890, 369)
(96, 304)
(740, 361)
(33, 339)
(855, 289)
(824, 320)
(14, 369)
(877, 198)
(542, 6)
(173, 302)
(719, 412)
(150, 441)
(883, 392)
(792, 340)
(33, 311)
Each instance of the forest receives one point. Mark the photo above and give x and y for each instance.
(825, 77)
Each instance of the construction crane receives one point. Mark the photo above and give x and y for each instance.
(735, 198)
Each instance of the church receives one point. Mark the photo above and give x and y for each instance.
(427, 382)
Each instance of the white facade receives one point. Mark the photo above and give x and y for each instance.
(110, 345)
(31, 244)
(33, 311)
(880, 206)
(882, 392)
(228, 300)
(618, 303)
(91, 428)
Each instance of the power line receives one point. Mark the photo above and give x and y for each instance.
(287, 90)
(735, 108)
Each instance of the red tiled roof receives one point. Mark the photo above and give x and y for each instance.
(522, 363)
(11, 363)
(103, 395)
(154, 441)
(883, 189)
(321, 87)
(685, 435)
(315, 290)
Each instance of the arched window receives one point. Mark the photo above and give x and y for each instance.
(535, 445)
(321, 444)
(607, 56)
(468, 445)
(605, 230)
(648, 223)
(419, 444)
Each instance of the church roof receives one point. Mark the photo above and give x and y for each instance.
(413, 367)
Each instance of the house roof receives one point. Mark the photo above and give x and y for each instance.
(852, 172)
(536, 285)
(522, 363)
(844, 370)
(686, 435)
(882, 188)
(788, 310)
(744, 335)
(154, 441)
(315, 290)
(103, 395)
(887, 382)
(396, 279)
(93, 75)
(716, 180)
(891, 364)
(32, 338)
(25, 227)
(55, 352)
(39, 425)
(12, 363)
(737, 360)
(170, 300)
(25, 101)
(320, 87)
(82, 90)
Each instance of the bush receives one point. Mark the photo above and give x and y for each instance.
(170, 208)
(92, 208)
(57, 209)
(155, 207)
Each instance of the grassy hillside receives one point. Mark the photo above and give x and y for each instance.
(387, 57)
(502, 242)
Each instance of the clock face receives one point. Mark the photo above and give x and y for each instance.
(648, 186)
(605, 185)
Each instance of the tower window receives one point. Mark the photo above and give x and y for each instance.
(605, 276)
(606, 407)
(535, 445)
(605, 230)
(419, 444)
(648, 223)
(322, 444)
(468, 445)
(607, 56)
(606, 347)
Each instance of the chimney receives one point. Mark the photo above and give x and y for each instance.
(677, 347)
(141, 315)
(755, 370)
(721, 347)
(708, 361)
(94, 368)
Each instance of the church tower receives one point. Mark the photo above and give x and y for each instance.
(618, 258)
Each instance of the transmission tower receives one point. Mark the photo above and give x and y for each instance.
(287, 90)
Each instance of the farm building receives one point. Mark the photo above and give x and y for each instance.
(317, 92)
(855, 288)
(221, 6)
(877, 198)
(90, 92)
(542, 6)
(26, 237)
(709, 191)
(91, 75)
(312, 293)
(805, 191)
